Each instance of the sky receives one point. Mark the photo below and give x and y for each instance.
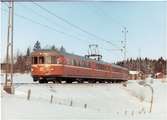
(145, 22)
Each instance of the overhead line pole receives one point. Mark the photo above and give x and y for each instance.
(12, 22)
(125, 31)
(8, 87)
(7, 49)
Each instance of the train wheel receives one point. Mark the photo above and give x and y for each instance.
(43, 81)
(108, 81)
(102, 81)
(92, 81)
(57, 81)
(68, 81)
(80, 80)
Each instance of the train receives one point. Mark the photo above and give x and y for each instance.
(57, 66)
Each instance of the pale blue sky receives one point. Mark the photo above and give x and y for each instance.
(145, 21)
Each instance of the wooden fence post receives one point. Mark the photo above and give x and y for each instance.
(51, 99)
(85, 106)
(71, 103)
(29, 94)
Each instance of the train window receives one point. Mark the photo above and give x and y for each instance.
(53, 60)
(89, 64)
(74, 62)
(67, 61)
(34, 60)
(41, 60)
(102, 67)
(83, 64)
(48, 59)
(71, 62)
(79, 63)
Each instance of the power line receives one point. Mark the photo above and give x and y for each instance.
(105, 14)
(44, 25)
(47, 18)
(53, 29)
(73, 25)
(117, 49)
(37, 13)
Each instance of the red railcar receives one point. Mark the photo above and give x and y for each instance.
(52, 65)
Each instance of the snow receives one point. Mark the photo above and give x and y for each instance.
(103, 101)
(18, 78)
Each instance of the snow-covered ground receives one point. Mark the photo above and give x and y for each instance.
(18, 78)
(84, 101)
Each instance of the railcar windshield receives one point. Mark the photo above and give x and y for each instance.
(48, 59)
(41, 60)
(44, 60)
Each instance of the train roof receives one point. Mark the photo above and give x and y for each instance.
(54, 52)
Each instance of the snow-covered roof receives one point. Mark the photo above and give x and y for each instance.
(159, 73)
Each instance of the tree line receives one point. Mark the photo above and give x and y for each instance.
(145, 65)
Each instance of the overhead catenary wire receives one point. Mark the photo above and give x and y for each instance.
(54, 22)
(44, 25)
(40, 15)
(124, 47)
(51, 28)
(73, 25)
(105, 14)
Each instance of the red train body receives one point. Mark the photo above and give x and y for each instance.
(52, 65)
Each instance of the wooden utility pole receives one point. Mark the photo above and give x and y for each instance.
(8, 87)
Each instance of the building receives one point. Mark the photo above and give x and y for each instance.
(159, 75)
(134, 75)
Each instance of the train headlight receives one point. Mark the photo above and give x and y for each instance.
(32, 69)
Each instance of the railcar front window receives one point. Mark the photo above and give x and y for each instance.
(34, 60)
(48, 60)
(41, 60)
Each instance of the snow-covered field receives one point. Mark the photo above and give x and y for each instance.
(84, 101)
(18, 78)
